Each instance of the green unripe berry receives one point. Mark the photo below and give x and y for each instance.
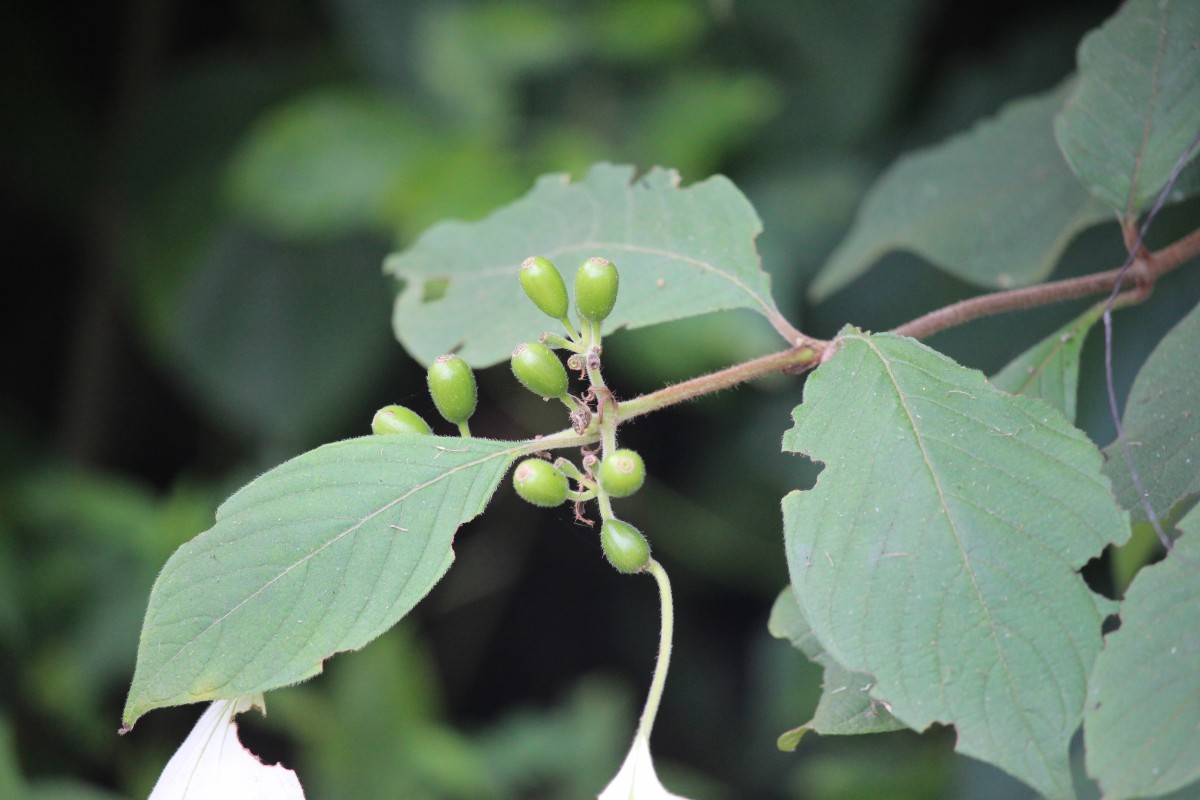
(398, 419)
(538, 482)
(544, 284)
(539, 370)
(596, 289)
(624, 546)
(452, 387)
(622, 472)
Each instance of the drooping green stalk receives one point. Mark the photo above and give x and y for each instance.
(664, 650)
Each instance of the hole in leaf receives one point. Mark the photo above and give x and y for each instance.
(434, 289)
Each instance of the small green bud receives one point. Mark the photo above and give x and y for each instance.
(539, 370)
(398, 419)
(452, 387)
(538, 482)
(622, 472)
(544, 284)
(596, 289)
(624, 546)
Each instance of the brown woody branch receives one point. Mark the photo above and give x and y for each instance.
(1144, 273)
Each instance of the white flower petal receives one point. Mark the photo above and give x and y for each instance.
(211, 763)
(636, 780)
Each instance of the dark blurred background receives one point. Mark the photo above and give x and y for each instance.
(199, 197)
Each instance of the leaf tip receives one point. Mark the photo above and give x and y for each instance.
(788, 741)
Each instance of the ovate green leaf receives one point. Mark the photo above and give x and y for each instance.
(846, 705)
(1136, 107)
(995, 206)
(318, 556)
(681, 252)
(1162, 424)
(938, 550)
(1050, 369)
(1142, 724)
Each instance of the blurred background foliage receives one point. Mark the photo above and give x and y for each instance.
(197, 200)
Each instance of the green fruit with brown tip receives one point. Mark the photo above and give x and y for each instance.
(624, 546)
(622, 472)
(538, 482)
(596, 289)
(452, 387)
(398, 419)
(539, 370)
(544, 285)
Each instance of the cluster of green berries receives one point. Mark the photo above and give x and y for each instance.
(621, 472)
(539, 369)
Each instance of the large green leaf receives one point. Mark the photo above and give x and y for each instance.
(995, 206)
(318, 556)
(1050, 369)
(938, 550)
(1136, 107)
(680, 251)
(1162, 425)
(846, 705)
(1142, 724)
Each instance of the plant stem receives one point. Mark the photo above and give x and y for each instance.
(1146, 271)
(556, 342)
(605, 503)
(808, 355)
(464, 430)
(797, 358)
(567, 468)
(572, 334)
(557, 440)
(664, 649)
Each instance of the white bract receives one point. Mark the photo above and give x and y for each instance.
(636, 780)
(211, 762)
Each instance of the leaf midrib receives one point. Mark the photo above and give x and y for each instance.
(1009, 683)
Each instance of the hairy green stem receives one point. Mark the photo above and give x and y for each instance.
(556, 342)
(566, 467)
(808, 355)
(664, 649)
(605, 503)
(572, 334)
(794, 359)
